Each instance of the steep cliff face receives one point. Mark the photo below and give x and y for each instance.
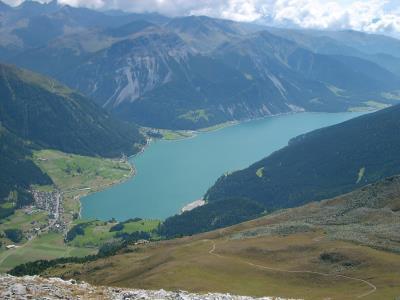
(130, 68)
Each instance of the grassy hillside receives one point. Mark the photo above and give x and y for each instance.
(343, 248)
(47, 246)
(74, 172)
(321, 164)
(97, 233)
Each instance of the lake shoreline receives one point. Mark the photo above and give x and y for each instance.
(132, 173)
(157, 194)
(188, 133)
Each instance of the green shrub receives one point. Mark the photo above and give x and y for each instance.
(14, 235)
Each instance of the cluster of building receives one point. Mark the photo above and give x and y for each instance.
(51, 202)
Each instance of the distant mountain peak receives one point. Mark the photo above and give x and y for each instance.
(32, 7)
(130, 28)
(30, 3)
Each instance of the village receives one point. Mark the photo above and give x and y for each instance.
(52, 204)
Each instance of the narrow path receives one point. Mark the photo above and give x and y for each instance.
(370, 285)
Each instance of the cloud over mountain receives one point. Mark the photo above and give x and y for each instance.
(371, 15)
(381, 16)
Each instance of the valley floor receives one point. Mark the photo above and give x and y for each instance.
(44, 224)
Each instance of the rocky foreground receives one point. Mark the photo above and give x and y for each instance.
(35, 287)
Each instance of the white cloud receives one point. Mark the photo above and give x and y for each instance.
(370, 15)
(12, 2)
(95, 4)
(366, 15)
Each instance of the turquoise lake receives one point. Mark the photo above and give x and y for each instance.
(171, 174)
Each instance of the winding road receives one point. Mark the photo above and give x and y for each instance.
(372, 287)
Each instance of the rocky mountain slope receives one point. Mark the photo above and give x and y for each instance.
(192, 72)
(153, 77)
(368, 216)
(205, 34)
(375, 48)
(29, 287)
(33, 24)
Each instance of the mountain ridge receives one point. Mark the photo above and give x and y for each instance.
(189, 72)
(28, 101)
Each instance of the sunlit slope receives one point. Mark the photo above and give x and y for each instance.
(342, 248)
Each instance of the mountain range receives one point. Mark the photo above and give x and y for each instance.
(193, 72)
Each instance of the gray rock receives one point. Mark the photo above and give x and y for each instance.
(35, 287)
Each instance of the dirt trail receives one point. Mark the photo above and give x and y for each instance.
(369, 284)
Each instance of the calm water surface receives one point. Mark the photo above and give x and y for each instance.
(171, 174)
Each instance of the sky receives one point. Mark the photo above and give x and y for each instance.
(379, 16)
